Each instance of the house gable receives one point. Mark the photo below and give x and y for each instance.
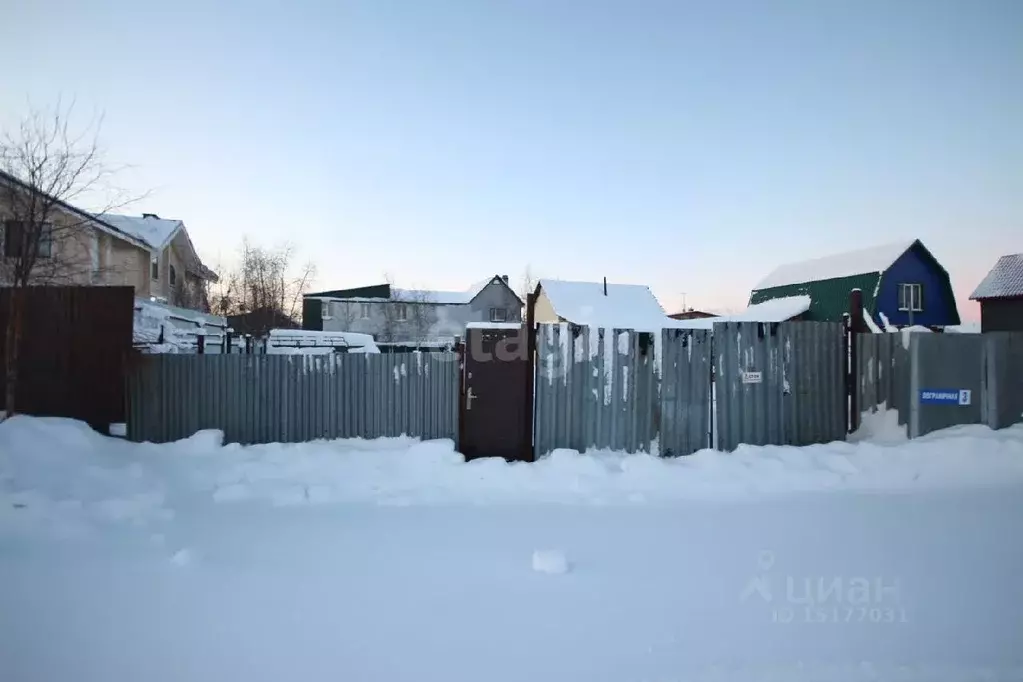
(495, 281)
(918, 266)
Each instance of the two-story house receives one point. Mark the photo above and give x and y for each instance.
(391, 314)
(155, 257)
(176, 273)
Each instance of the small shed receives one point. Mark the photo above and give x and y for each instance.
(599, 304)
(903, 282)
(1000, 295)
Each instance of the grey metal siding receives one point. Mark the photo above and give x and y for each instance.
(796, 397)
(684, 359)
(949, 362)
(293, 398)
(594, 389)
(884, 373)
(621, 390)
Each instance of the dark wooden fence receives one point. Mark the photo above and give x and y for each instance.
(75, 342)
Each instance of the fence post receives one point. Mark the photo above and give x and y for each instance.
(856, 326)
(200, 344)
(914, 386)
(530, 454)
(227, 341)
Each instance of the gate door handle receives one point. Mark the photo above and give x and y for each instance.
(468, 398)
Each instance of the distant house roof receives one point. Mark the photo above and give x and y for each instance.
(259, 322)
(96, 221)
(774, 310)
(624, 306)
(386, 291)
(155, 231)
(859, 262)
(1004, 281)
(692, 315)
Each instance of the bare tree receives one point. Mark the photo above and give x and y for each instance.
(422, 314)
(346, 314)
(529, 282)
(44, 168)
(393, 313)
(265, 280)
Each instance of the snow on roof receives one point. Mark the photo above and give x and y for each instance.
(153, 231)
(775, 310)
(626, 306)
(493, 325)
(178, 326)
(474, 290)
(320, 338)
(418, 295)
(876, 259)
(1004, 280)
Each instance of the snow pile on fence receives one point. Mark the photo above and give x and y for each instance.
(162, 328)
(308, 342)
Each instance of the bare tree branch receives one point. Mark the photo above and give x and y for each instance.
(264, 280)
(44, 168)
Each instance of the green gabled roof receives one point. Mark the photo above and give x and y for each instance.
(829, 298)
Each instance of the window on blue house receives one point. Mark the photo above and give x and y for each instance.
(911, 297)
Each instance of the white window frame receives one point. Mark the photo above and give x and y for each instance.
(154, 268)
(401, 312)
(324, 310)
(911, 297)
(364, 311)
(498, 314)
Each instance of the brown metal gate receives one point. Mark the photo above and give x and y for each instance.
(496, 410)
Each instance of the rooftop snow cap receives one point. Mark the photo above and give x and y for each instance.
(1004, 281)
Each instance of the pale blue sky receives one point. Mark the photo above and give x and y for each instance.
(690, 146)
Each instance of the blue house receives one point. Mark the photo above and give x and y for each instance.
(903, 281)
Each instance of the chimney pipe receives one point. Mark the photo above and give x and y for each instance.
(150, 215)
(605, 286)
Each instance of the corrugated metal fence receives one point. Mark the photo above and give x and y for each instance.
(292, 398)
(779, 383)
(894, 369)
(1004, 352)
(623, 390)
(684, 361)
(883, 382)
(595, 388)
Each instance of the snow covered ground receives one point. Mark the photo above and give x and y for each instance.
(394, 560)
